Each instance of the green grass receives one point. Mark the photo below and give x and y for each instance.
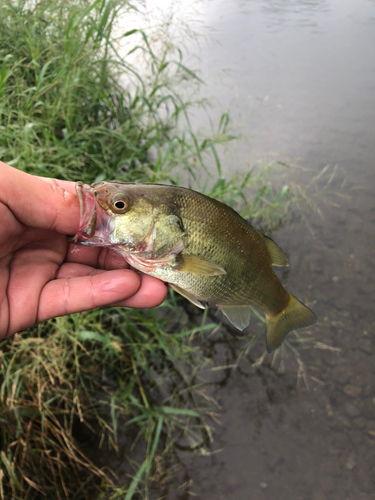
(102, 370)
(75, 385)
(63, 112)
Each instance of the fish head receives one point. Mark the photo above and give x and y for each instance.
(113, 213)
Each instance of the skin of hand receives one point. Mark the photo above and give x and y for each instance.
(42, 275)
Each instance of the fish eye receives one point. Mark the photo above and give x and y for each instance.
(120, 204)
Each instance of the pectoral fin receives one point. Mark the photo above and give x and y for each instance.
(278, 257)
(187, 295)
(239, 316)
(198, 265)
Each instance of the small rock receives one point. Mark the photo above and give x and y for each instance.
(364, 480)
(352, 390)
(340, 440)
(263, 485)
(318, 495)
(360, 422)
(350, 463)
(329, 468)
(368, 410)
(351, 410)
(368, 390)
(334, 451)
(329, 410)
(356, 439)
(327, 484)
(342, 374)
(367, 347)
(344, 421)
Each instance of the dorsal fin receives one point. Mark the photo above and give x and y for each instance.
(278, 257)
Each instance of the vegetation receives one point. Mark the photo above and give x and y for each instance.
(68, 386)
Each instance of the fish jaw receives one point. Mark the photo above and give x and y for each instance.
(95, 225)
(146, 262)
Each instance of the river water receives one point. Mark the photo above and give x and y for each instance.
(299, 78)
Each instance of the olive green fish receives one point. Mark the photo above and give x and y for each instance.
(202, 248)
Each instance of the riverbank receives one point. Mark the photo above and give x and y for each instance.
(69, 385)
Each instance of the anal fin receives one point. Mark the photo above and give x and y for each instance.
(187, 295)
(239, 316)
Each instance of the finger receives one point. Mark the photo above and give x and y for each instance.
(30, 269)
(67, 185)
(151, 293)
(71, 295)
(75, 270)
(108, 259)
(83, 255)
(38, 202)
(4, 306)
(103, 258)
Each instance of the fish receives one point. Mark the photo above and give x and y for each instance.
(199, 246)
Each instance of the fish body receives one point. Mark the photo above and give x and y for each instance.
(201, 247)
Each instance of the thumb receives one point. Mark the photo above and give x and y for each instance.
(40, 202)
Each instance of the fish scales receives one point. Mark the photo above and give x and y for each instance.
(204, 249)
(223, 237)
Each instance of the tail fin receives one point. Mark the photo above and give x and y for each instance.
(295, 315)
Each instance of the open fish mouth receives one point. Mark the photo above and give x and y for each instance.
(88, 217)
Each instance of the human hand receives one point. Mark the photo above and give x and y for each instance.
(42, 275)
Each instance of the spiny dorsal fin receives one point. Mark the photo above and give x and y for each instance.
(239, 316)
(278, 257)
(198, 265)
(187, 295)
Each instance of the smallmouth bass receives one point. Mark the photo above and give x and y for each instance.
(201, 247)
